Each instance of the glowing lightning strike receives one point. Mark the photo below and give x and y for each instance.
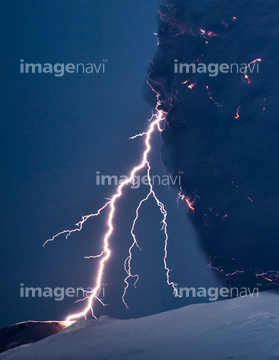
(211, 98)
(187, 199)
(79, 224)
(237, 116)
(137, 135)
(248, 66)
(106, 253)
(127, 262)
(164, 228)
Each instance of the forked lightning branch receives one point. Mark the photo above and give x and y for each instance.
(105, 255)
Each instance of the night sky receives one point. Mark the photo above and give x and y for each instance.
(56, 132)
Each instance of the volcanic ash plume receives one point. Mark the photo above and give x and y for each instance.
(223, 130)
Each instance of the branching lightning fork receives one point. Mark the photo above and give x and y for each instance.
(111, 204)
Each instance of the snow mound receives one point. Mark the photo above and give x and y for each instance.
(235, 329)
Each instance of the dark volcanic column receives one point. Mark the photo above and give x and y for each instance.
(222, 128)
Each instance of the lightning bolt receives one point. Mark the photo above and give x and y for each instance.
(105, 255)
(186, 199)
(237, 116)
(248, 66)
(79, 226)
(127, 262)
(211, 98)
(219, 268)
(271, 276)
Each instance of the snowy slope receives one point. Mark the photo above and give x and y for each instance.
(242, 328)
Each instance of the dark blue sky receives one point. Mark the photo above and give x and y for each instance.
(56, 132)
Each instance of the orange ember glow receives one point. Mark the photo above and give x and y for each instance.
(237, 113)
(211, 98)
(190, 205)
(248, 66)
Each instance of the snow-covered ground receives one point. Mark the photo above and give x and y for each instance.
(241, 328)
